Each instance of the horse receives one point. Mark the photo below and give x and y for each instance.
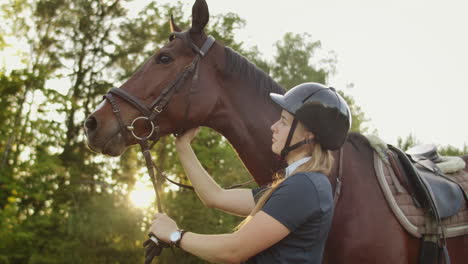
(220, 89)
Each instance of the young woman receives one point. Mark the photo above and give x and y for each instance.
(290, 220)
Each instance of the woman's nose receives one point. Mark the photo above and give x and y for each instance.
(273, 127)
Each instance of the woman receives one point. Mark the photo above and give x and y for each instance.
(291, 220)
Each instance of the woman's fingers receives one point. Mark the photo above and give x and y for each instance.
(195, 131)
(189, 135)
(157, 215)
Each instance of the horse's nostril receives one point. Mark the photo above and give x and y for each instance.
(91, 124)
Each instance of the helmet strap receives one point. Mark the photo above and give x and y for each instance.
(288, 148)
(300, 143)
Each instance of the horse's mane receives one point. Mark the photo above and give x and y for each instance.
(238, 66)
(358, 140)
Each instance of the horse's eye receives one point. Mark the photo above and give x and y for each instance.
(163, 59)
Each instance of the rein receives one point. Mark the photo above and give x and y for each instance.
(150, 113)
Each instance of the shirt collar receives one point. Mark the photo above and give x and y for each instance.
(293, 166)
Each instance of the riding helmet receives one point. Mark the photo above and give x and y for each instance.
(321, 110)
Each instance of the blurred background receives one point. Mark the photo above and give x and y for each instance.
(62, 203)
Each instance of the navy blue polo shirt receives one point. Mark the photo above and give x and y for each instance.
(304, 204)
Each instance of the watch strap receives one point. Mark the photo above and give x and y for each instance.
(182, 232)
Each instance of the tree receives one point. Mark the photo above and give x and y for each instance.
(453, 151)
(292, 63)
(407, 143)
(59, 203)
(359, 118)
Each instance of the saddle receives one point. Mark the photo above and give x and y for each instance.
(439, 196)
(430, 188)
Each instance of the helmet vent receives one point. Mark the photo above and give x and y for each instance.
(305, 99)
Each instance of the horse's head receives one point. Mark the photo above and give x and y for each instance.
(157, 99)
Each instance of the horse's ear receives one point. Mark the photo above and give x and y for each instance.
(174, 27)
(200, 16)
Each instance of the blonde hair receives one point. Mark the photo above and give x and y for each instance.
(321, 161)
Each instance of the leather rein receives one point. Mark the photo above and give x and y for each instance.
(150, 113)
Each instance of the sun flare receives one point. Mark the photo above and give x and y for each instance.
(142, 196)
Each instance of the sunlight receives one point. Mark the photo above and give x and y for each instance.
(142, 196)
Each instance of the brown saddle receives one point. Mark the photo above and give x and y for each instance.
(429, 187)
(439, 196)
(427, 204)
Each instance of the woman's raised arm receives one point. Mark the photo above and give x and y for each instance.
(260, 233)
(235, 201)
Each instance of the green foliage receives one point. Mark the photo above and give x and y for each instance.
(408, 142)
(452, 151)
(359, 118)
(411, 141)
(60, 203)
(292, 63)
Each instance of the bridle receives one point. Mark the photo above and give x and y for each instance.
(152, 112)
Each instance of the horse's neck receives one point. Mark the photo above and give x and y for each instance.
(244, 119)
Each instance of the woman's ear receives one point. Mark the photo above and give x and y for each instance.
(309, 135)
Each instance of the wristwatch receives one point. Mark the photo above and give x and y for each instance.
(176, 236)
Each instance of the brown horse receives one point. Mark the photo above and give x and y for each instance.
(230, 95)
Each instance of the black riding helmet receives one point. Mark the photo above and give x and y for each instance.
(321, 110)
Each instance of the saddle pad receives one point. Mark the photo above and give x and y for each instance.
(408, 214)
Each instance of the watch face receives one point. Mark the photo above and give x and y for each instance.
(175, 236)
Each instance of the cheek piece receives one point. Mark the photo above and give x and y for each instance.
(287, 148)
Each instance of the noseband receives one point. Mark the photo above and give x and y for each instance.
(151, 112)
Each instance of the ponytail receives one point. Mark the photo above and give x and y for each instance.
(321, 161)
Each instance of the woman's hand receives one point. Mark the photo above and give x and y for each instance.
(187, 136)
(163, 226)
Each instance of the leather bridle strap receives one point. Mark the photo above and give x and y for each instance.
(339, 178)
(158, 105)
(116, 111)
(150, 113)
(146, 111)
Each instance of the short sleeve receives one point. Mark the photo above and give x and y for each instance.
(298, 198)
(257, 192)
